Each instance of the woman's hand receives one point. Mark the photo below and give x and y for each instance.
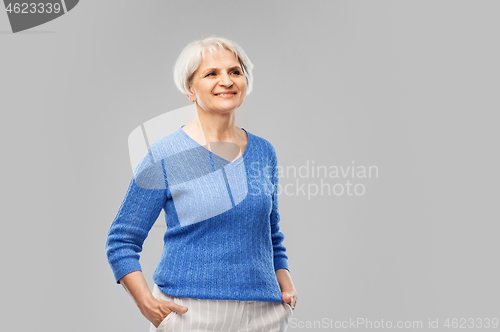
(290, 297)
(153, 309)
(156, 311)
(288, 292)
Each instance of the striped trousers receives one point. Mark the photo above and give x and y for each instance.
(224, 315)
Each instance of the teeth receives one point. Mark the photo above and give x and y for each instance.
(225, 94)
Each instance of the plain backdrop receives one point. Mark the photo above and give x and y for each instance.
(407, 87)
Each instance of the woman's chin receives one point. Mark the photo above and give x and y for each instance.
(224, 108)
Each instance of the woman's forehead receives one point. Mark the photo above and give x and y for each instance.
(222, 58)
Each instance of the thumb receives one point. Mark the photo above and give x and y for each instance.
(176, 307)
(286, 297)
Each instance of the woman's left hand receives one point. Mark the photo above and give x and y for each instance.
(288, 292)
(290, 297)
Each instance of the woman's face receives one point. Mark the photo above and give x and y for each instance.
(218, 85)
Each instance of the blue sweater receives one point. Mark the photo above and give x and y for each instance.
(223, 239)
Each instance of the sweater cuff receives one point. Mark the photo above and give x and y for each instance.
(125, 266)
(281, 263)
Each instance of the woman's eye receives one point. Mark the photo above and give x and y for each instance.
(210, 74)
(237, 72)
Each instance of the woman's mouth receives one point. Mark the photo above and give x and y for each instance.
(226, 95)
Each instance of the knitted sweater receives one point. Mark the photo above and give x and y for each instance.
(223, 239)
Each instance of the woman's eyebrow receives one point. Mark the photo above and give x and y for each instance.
(215, 69)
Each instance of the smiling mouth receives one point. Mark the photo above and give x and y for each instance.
(225, 94)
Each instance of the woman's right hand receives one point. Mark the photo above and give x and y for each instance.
(156, 311)
(151, 308)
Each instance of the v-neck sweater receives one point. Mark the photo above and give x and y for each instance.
(223, 239)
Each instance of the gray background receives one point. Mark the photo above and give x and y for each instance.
(409, 86)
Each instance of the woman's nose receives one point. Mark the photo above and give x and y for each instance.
(226, 81)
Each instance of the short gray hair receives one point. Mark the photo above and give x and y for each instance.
(192, 55)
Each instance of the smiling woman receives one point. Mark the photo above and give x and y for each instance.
(224, 265)
(218, 85)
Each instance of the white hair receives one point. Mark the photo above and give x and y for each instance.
(192, 55)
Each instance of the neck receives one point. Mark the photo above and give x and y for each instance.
(217, 127)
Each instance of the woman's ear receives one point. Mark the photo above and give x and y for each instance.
(191, 96)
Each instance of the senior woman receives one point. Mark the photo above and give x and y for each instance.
(224, 266)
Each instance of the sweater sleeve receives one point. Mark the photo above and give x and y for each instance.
(143, 202)
(279, 250)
